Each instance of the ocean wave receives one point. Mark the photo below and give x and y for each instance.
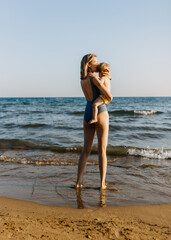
(71, 159)
(150, 153)
(146, 112)
(116, 151)
(134, 112)
(78, 113)
(68, 128)
(123, 112)
(47, 160)
(36, 125)
(18, 144)
(41, 161)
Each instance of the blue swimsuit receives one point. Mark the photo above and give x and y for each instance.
(88, 114)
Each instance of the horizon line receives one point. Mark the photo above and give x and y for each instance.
(84, 97)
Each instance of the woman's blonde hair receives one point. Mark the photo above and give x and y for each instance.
(84, 65)
(104, 69)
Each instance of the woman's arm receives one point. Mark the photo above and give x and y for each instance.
(98, 83)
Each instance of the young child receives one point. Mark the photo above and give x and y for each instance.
(104, 74)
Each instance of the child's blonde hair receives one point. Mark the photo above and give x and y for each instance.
(84, 65)
(104, 69)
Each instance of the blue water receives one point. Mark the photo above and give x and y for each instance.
(55, 123)
(41, 139)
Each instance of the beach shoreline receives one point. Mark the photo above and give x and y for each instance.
(28, 220)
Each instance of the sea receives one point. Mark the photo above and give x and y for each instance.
(41, 140)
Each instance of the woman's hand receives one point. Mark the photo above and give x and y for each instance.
(90, 74)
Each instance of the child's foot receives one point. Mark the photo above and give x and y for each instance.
(92, 121)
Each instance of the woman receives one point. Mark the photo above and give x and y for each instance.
(91, 88)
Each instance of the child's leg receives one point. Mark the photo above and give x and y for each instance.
(96, 103)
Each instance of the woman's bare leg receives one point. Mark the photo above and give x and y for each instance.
(96, 103)
(89, 133)
(102, 128)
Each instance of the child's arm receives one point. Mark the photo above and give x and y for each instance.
(103, 88)
(107, 83)
(108, 86)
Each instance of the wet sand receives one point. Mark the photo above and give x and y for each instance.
(140, 182)
(28, 220)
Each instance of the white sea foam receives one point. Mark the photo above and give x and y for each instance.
(150, 153)
(152, 112)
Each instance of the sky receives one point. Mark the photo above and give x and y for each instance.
(43, 41)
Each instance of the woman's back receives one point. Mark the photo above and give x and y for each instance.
(91, 92)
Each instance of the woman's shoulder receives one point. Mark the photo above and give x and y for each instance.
(85, 81)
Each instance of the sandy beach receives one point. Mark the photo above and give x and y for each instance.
(28, 220)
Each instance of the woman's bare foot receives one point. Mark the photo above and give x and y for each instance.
(103, 187)
(78, 185)
(92, 121)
